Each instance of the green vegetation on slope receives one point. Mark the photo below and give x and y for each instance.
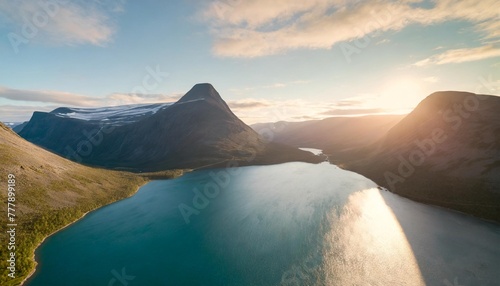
(50, 193)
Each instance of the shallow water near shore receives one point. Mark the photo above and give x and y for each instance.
(288, 224)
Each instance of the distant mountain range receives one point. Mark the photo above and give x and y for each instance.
(336, 136)
(446, 152)
(199, 130)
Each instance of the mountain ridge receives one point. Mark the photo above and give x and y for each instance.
(198, 130)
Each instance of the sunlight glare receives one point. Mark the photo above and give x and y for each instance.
(366, 243)
(401, 94)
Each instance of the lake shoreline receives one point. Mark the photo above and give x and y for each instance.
(331, 216)
(33, 271)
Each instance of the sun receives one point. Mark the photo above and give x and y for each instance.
(401, 94)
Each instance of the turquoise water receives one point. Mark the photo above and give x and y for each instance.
(288, 224)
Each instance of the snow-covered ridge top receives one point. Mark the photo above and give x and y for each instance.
(114, 114)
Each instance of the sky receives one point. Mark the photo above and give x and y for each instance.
(270, 60)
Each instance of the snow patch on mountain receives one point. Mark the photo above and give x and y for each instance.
(113, 114)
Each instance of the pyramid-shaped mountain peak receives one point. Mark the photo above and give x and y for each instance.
(201, 91)
(199, 130)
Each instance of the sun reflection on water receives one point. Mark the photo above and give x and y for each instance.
(366, 243)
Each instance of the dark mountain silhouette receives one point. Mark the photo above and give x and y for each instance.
(196, 131)
(446, 152)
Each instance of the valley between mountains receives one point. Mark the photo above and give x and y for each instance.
(446, 152)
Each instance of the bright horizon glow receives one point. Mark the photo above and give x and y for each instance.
(270, 60)
(401, 94)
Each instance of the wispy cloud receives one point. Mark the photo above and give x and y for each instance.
(250, 110)
(492, 29)
(72, 99)
(357, 112)
(271, 86)
(461, 55)
(20, 113)
(247, 104)
(383, 41)
(348, 103)
(57, 97)
(263, 110)
(253, 28)
(62, 22)
(49, 100)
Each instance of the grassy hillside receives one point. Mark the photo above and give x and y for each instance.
(51, 192)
